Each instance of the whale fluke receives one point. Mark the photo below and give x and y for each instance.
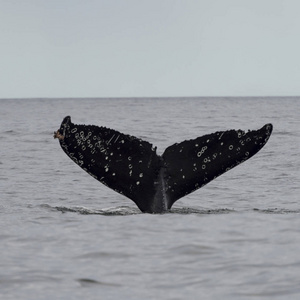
(131, 167)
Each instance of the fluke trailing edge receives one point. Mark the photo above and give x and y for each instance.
(131, 167)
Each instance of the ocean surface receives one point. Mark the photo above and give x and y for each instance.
(64, 235)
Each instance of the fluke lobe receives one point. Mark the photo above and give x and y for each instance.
(131, 167)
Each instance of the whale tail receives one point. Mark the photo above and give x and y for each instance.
(131, 167)
(194, 163)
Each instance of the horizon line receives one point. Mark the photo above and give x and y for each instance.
(141, 97)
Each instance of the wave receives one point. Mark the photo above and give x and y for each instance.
(277, 211)
(111, 211)
(128, 210)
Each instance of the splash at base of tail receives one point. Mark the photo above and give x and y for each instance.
(131, 167)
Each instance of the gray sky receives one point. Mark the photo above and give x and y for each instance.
(134, 48)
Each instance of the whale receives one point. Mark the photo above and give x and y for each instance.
(131, 166)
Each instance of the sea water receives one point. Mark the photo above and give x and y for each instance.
(64, 235)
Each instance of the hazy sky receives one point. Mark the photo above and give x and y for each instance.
(132, 48)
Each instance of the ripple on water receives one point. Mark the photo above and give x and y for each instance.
(127, 210)
(86, 282)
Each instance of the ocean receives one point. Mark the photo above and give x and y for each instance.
(64, 235)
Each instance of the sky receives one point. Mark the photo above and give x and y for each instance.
(149, 48)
